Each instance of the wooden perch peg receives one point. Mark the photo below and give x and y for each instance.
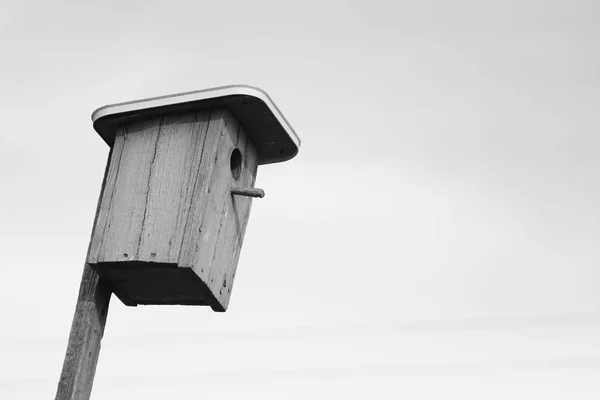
(249, 192)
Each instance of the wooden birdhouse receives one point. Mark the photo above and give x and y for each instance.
(178, 190)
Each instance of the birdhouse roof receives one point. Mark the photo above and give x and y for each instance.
(253, 108)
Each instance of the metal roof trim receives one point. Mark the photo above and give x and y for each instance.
(197, 96)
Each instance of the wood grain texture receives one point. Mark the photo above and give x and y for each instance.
(167, 201)
(128, 204)
(212, 200)
(106, 195)
(196, 233)
(221, 227)
(194, 159)
(87, 329)
(234, 219)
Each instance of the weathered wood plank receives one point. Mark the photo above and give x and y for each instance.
(128, 204)
(196, 232)
(105, 200)
(194, 158)
(167, 190)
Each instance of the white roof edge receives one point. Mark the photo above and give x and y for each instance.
(197, 95)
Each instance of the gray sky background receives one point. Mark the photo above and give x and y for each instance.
(436, 237)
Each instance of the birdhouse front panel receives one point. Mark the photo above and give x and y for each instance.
(168, 229)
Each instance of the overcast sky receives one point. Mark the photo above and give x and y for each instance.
(437, 237)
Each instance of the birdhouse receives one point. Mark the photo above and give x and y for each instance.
(178, 190)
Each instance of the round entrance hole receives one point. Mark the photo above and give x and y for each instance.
(236, 163)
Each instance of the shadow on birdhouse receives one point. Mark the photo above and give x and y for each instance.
(178, 191)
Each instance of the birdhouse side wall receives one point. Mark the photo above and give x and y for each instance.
(218, 221)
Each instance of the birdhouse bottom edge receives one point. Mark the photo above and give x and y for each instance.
(153, 283)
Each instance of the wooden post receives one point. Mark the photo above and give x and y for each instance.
(83, 349)
(87, 329)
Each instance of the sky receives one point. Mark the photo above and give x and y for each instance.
(436, 236)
